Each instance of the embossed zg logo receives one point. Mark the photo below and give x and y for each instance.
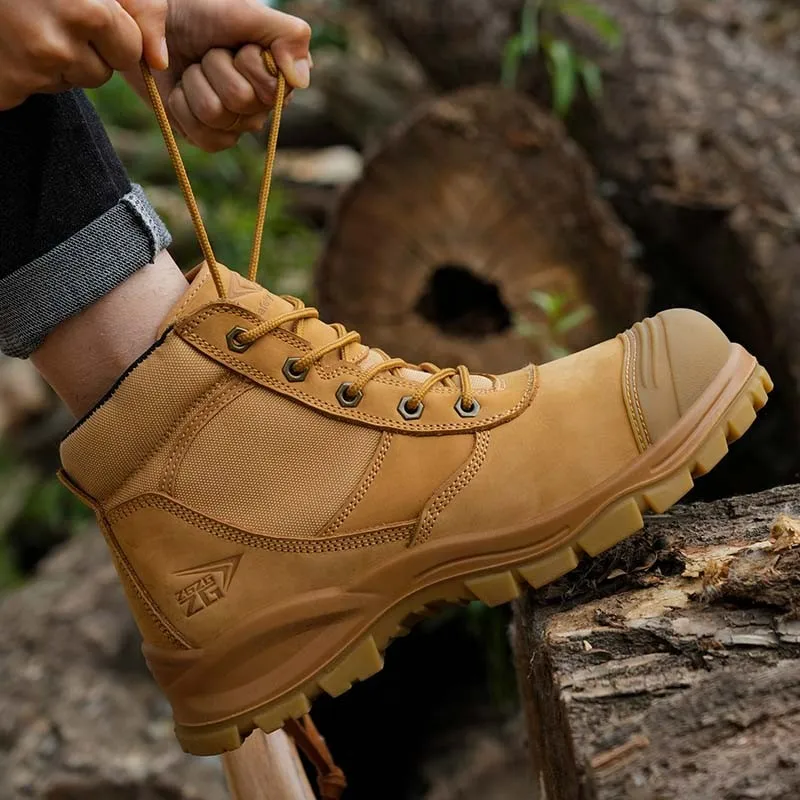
(210, 585)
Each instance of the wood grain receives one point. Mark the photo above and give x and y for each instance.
(266, 767)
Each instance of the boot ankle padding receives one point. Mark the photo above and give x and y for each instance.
(158, 392)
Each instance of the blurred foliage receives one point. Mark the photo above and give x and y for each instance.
(327, 30)
(568, 69)
(35, 513)
(559, 314)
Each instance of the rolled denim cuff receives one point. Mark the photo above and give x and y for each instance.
(40, 295)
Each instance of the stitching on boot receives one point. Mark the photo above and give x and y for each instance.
(632, 404)
(168, 631)
(367, 481)
(635, 384)
(445, 497)
(220, 395)
(167, 436)
(262, 541)
(193, 292)
(186, 331)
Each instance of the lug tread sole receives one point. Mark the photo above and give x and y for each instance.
(614, 524)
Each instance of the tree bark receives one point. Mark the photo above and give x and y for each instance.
(669, 667)
(696, 141)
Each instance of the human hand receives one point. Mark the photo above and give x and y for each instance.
(55, 45)
(217, 87)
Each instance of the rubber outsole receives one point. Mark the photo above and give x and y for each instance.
(611, 526)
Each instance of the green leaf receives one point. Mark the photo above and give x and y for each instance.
(529, 32)
(552, 303)
(512, 58)
(563, 73)
(573, 319)
(521, 44)
(604, 25)
(592, 80)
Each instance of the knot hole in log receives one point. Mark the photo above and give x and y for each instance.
(462, 303)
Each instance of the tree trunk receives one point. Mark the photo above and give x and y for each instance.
(696, 141)
(669, 667)
(474, 204)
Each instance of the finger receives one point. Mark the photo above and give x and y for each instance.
(88, 70)
(250, 64)
(291, 49)
(233, 89)
(114, 35)
(288, 37)
(255, 123)
(204, 102)
(151, 17)
(194, 130)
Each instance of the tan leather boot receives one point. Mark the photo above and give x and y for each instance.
(280, 500)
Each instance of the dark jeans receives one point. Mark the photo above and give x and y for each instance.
(72, 227)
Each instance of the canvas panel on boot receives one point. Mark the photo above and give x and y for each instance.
(273, 536)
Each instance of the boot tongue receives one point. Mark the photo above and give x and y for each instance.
(239, 291)
(256, 299)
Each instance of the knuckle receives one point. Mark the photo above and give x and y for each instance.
(247, 58)
(239, 98)
(98, 78)
(214, 141)
(206, 106)
(208, 109)
(256, 123)
(47, 50)
(176, 102)
(94, 14)
(300, 30)
(214, 58)
(156, 7)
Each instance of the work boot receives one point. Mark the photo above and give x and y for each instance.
(281, 500)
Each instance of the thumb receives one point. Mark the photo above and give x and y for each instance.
(151, 17)
(289, 39)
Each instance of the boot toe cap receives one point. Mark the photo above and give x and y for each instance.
(679, 354)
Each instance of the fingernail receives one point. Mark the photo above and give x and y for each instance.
(164, 53)
(302, 73)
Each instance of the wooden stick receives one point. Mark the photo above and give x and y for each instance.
(266, 767)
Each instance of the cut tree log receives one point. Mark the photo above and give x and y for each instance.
(669, 667)
(697, 141)
(469, 208)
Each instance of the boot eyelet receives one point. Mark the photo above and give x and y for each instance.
(289, 371)
(472, 411)
(234, 344)
(410, 413)
(345, 400)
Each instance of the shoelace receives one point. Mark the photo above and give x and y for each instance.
(240, 339)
